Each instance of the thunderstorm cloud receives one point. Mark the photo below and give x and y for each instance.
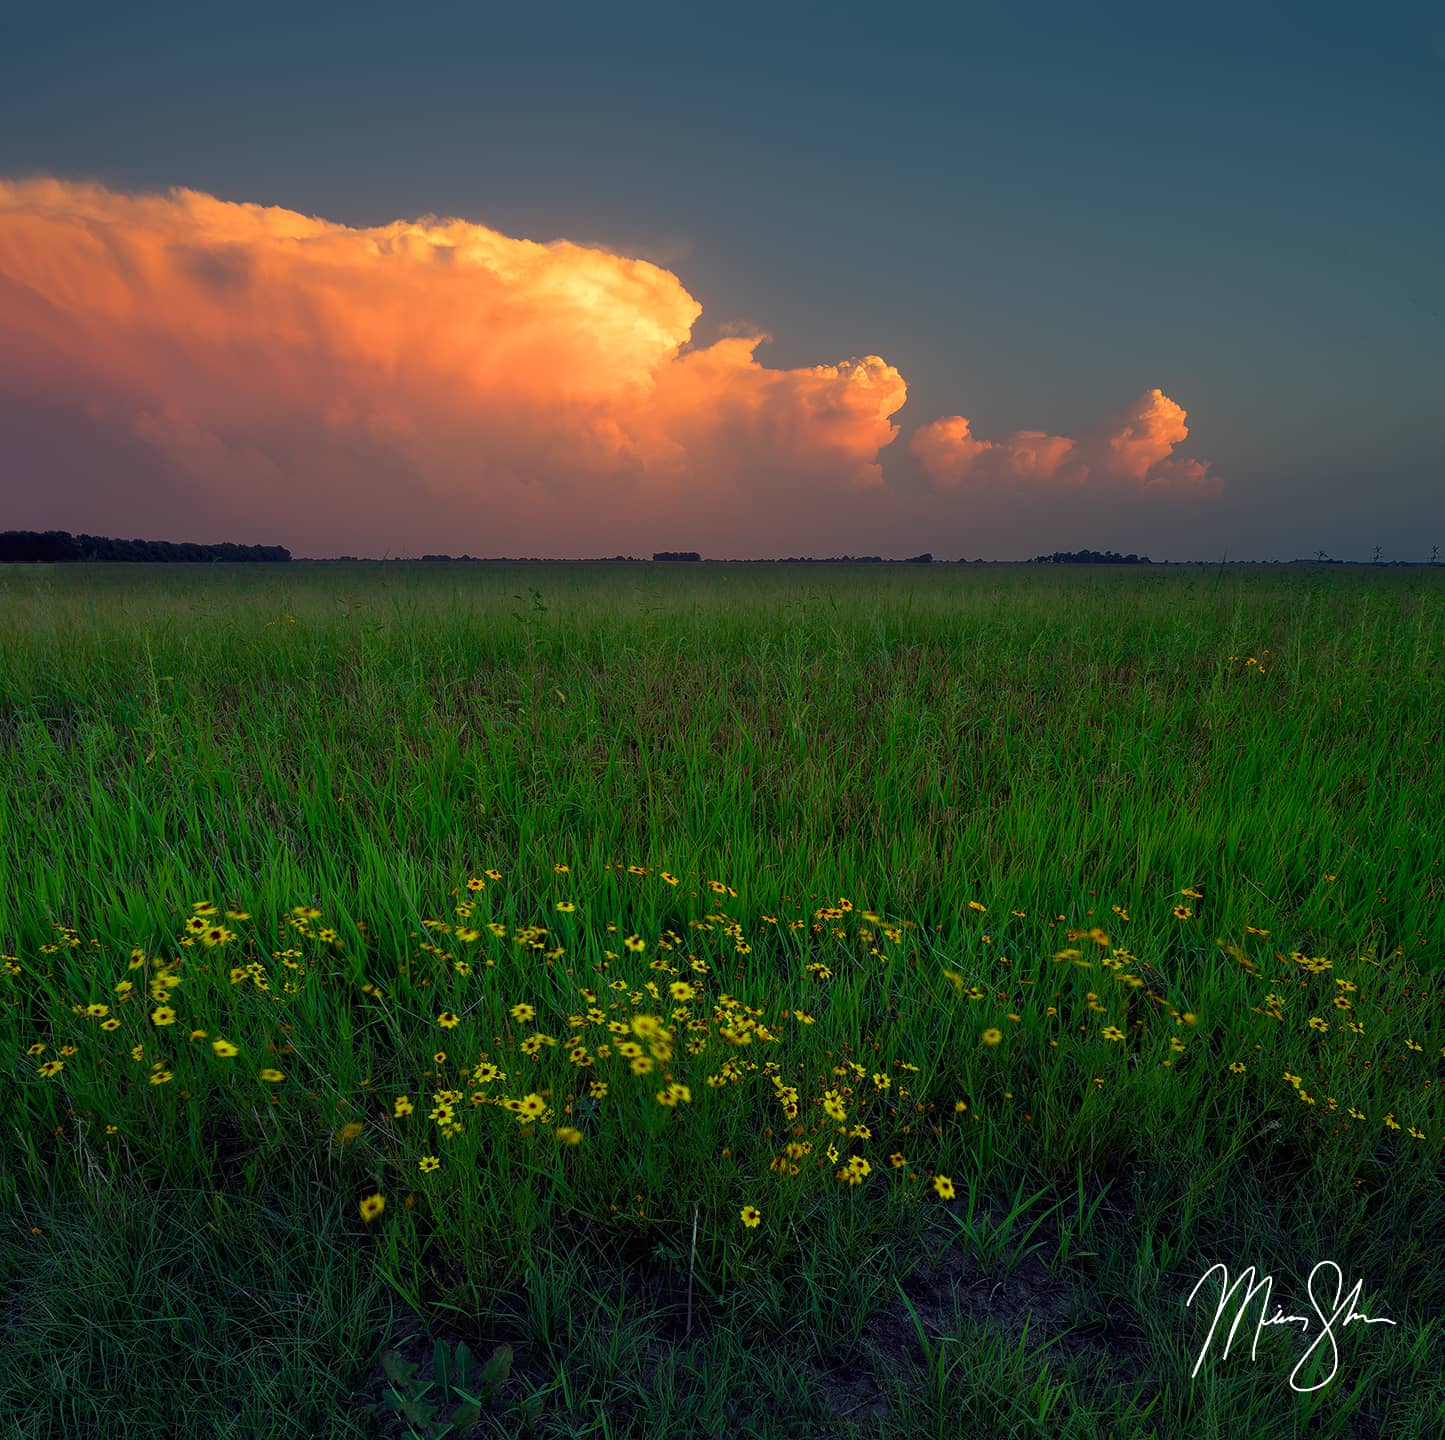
(181, 365)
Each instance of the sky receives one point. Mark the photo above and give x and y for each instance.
(985, 281)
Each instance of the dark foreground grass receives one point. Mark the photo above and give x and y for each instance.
(771, 1002)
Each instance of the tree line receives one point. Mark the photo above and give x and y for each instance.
(59, 547)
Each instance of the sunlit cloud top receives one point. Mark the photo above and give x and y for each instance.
(438, 378)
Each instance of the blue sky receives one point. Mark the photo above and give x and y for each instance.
(1036, 216)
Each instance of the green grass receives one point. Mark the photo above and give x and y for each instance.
(908, 811)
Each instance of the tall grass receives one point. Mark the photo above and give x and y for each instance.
(988, 879)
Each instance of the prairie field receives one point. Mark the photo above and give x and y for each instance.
(749, 1000)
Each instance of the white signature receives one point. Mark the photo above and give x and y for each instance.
(1266, 1284)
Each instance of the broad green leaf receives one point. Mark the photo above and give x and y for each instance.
(398, 1369)
(497, 1369)
(465, 1416)
(419, 1412)
(465, 1359)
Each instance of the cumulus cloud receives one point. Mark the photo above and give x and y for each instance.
(1130, 449)
(190, 367)
(466, 389)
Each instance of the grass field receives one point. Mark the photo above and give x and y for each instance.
(771, 1001)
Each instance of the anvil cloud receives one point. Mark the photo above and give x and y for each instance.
(435, 378)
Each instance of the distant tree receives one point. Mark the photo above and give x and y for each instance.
(1090, 557)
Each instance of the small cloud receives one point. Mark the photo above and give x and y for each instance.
(1132, 448)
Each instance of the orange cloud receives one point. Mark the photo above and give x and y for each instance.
(462, 388)
(1133, 448)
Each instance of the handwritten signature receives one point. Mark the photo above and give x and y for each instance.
(1266, 1284)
